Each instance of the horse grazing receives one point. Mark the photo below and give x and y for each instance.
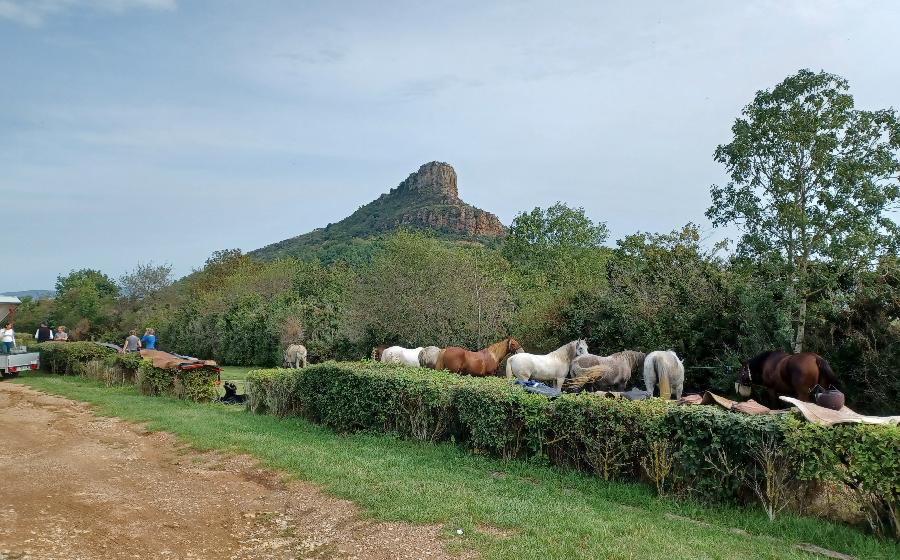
(377, 351)
(403, 356)
(549, 367)
(785, 374)
(429, 357)
(664, 368)
(481, 363)
(607, 373)
(295, 356)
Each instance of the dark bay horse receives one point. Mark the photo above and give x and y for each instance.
(482, 363)
(791, 375)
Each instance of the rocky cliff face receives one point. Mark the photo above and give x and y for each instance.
(427, 199)
(432, 198)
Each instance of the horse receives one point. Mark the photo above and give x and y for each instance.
(665, 368)
(377, 351)
(481, 363)
(608, 373)
(549, 367)
(295, 356)
(403, 356)
(785, 374)
(430, 356)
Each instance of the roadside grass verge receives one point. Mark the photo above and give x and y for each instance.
(508, 510)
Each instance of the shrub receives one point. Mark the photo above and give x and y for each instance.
(68, 358)
(705, 451)
(194, 384)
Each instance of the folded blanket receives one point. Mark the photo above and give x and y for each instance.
(827, 417)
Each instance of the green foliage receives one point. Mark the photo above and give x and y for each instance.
(67, 357)
(813, 181)
(145, 280)
(398, 480)
(712, 453)
(102, 284)
(419, 291)
(196, 384)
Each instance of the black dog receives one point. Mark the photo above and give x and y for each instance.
(231, 396)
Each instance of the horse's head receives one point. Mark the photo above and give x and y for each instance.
(581, 347)
(744, 381)
(513, 346)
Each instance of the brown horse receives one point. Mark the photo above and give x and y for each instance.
(378, 350)
(482, 363)
(785, 374)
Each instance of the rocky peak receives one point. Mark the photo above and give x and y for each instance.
(435, 178)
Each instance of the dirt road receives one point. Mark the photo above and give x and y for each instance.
(73, 485)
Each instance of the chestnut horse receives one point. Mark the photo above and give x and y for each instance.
(792, 375)
(482, 363)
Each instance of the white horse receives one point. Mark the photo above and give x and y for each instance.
(429, 356)
(403, 356)
(295, 356)
(664, 368)
(549, 367)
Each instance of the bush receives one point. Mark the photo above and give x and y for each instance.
(68, 358)
(704, 451)
(194, 384)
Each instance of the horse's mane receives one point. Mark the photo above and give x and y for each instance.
(562, 351)
(756, 362)
(633, 357)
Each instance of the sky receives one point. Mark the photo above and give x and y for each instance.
(135, 131)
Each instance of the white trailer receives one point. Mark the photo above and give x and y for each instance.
(20, 360)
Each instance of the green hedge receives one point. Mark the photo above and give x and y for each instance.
(105, 364)
(701, 451)
(67, 358)
(194, 384)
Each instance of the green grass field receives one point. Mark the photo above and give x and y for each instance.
(507, 510)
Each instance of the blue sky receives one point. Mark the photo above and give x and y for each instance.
(162, 130)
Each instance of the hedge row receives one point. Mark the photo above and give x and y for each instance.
(114, 368)
(777, 460)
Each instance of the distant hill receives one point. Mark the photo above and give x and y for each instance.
(427, 199)
(33, 294)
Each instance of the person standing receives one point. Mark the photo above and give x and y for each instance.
(132, 343)
(61, 334)
(7, 339)
(149, 339)
(43, 334)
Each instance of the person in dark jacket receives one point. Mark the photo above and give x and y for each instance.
(44, 333)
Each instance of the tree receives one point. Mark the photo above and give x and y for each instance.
(146, 280)
(554, 233)
(420, 291)
(812, 181)
(103, 284)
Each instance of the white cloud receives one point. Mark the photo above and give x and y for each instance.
(33, 13)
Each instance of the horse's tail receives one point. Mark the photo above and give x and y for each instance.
(583, 376)
(439, 365)
(509, 371)
(826, 372)
(662, 377)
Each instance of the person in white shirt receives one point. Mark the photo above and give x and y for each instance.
(7, 339)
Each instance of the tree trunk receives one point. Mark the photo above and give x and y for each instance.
(801, 327)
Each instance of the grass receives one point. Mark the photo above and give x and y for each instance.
(507, 510)
(237, 374)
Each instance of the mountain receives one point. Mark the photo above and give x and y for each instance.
(33, 294)
(427, 199)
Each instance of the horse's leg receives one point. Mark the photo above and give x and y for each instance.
(678, 389)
